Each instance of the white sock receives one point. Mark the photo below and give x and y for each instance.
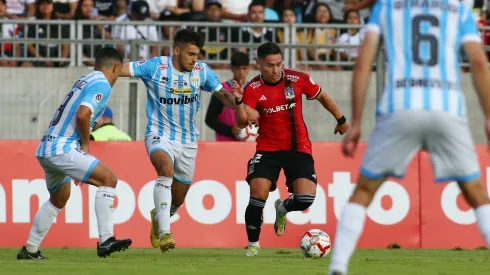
(42, 223)
(173, 210)
(162, 197)
(483, 220)
(254, 244)
(104, 211)
(349, 229)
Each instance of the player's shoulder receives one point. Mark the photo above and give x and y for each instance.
(296, 76)
(254, 83)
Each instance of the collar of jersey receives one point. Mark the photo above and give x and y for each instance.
(272, 84)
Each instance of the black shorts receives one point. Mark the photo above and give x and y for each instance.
(268, 165)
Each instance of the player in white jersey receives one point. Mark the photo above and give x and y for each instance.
(63, 154)
(174, 84)
(422, 107)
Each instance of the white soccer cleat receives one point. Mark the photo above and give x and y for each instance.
(252, 251)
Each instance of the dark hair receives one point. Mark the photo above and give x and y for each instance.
(106, 57)
(4, 1)
(256, 3)
(188, 36)
(349, 11)
(78, 11)
(239, 59)
(326, 6)
(267, 49)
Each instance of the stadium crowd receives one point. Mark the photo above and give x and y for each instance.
(352, 12)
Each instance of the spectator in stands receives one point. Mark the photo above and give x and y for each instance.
(17, 9)
(219, 117)
(236, 10)
(303, 9)
(105, 8)
(184, 10)
(45, 11)
(289, 17)
(254, 35)
(85, 12)
(322, 36)
(363, 6)
(140, 11)
(353, 36)
(7, 31)
(214, 35)
(65, 9)
(119, 8)
(105, 130)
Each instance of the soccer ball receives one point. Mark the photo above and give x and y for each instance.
(248, 134)
(315, 243)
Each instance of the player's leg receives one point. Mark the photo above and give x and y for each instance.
(263, 172)
(301, 180)
(59, 187)
(161, 155)
(185, 165)
(392, 145)
(454, 158)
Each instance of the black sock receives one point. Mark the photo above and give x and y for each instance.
(253, 218)
(299, 202)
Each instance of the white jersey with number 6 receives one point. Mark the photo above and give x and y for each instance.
(62, 136)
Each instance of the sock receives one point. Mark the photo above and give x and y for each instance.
(42, 223)
(104, 212)
(296, 202)
(162, 197)
(349, 229)
(254, 244)
(483, 220)
(253, 219)
(173, 210)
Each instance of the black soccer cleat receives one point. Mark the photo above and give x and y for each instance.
(112, 245)
(25, 255)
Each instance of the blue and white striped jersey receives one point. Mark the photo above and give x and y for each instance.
(62, 136)
(423, 39)
(174, 97)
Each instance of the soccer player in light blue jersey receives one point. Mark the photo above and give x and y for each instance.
(422, 107)
(63, 154)
(174, 85)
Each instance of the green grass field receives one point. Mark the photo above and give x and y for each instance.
(232, 261)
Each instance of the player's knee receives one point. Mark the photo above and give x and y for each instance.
(109, 180)
(303, 201)
(59, 201)
(164, 170)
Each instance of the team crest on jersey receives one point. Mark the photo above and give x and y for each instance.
(97, 98)
(141, 62)
(289, 92)
(195, 81)
(163, 66)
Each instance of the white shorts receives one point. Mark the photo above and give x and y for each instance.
(399, 136)
(62, 168)
(183, 156)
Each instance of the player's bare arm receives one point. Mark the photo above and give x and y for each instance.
(481, 78)
(252, 116)
(329, 104)
(125, 71)
(360, 81)
(83, 126)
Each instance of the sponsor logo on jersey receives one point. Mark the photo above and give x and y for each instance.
(164, 80)
(97, 98)
(279, 108)
(292, 78)
(163, 66)
(195, 81)
(255, 84)
(179, 100)
(180, 82)
(181, 90)
(79, 84)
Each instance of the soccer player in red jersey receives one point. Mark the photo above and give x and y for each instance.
(283, 141)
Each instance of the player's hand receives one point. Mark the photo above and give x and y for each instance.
(341, 129)
(253, 117)
(349, 144)
(237, 89)
(236, 130)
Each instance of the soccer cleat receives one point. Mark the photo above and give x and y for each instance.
(112, 245)
(336, 273)
(252, 251)
(167, 242)
(25, 255)
(155, 230)
(280, 224)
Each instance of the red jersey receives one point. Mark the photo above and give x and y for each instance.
(281, 114)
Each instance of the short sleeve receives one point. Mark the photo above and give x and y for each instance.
(144, 68)
(96, 94)
(467, 27)
(211, 81)
(310, 88)
(249, 97)
(374, 23)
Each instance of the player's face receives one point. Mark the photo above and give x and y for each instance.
(188, 56)
(270, 67)
(240, 72)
